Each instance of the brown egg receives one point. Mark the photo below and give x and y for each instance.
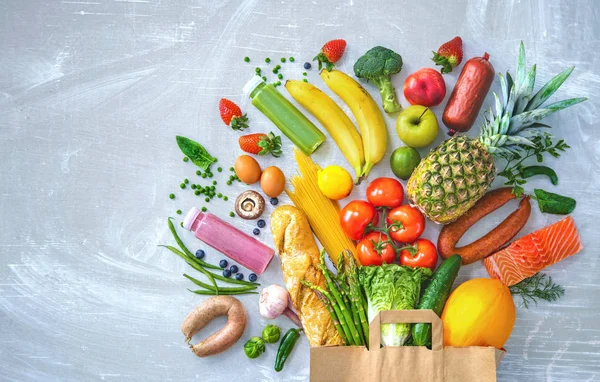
(247, 169)
(272, 181)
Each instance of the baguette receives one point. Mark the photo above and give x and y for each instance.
(299, 255)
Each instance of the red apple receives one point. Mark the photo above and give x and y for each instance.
(425, 87)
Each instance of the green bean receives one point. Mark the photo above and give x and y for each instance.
(221, 289)
(193, 265)
(211, 293)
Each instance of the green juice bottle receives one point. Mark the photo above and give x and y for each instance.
(292, 123)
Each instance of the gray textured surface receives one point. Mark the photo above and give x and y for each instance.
(92, 94)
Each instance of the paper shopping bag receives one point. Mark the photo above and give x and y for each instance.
(403, 363)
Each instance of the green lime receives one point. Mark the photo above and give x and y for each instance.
(403, 161)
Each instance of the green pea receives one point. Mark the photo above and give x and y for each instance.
(282, 59)
(275, 71)
(292, 59)
(214, 182)
(257, 70)
(186, 181)
(304, 74)
(220, 169)
(229, 182)
(305, 80)
(280, 76)
(267, 60)
(193, 186)
(171, 196)
(219, 195)
(225, 198)
(204, 175)
(182, 186)
(278, 67)
(207, 200)
(247, 59)
(203, 209)
(231, 169)
(198, 172)
(178, 212)
(231, 214)
(264, 78)
(197, 192)
(185, 159)
(210, 174)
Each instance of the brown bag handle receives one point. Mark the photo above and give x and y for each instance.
(407, 317)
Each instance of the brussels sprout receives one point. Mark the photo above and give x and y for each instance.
(254, 347)
(271, 334)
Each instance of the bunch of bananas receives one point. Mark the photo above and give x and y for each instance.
(361, 152)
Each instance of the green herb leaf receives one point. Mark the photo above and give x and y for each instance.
(538, 286)
(554, 203)
(196, 152)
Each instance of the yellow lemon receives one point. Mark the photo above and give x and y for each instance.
(335, 182)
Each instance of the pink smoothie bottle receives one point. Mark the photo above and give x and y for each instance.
(230, 241)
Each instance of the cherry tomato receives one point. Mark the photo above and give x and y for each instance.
(372, 249)
(421, 253)
(385, 192)
(355, 217)
(406, 223)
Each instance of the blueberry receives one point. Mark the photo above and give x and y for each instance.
(239, 276)
(256, 231)
(253, 277)
(261, 223)
(223, 263)
(226, 272)
(307, 65)
(200, 254)
(234, 269)
(274, 201)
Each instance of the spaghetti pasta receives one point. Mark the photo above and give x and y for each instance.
(322, 213)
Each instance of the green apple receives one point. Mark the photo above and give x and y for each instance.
(417, 126)
(403, 161)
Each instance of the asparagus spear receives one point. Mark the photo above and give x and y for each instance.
(336, 308)
(334, 318)
(340, 302)
(351, 270)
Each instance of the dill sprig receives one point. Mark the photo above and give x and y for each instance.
(537, 287)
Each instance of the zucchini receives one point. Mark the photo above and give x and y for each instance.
(435, 295)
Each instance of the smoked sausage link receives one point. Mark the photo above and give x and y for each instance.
(492, 241)
(469, 93)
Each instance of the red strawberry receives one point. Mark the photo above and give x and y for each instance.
(261, 144)
(330, 53)
(449, 55)
(232, 115)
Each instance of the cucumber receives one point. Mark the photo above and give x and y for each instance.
(435, 295)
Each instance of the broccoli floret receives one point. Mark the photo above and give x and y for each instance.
(378, 65)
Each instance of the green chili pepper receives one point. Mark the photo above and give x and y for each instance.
(285, 347)
(530, 171)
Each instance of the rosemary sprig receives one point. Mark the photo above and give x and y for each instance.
(514, 161)
(537, 287)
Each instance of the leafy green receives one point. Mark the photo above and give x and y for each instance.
(537, 287)
(513, 171)
(196, 152)
(552, 203)
(392, 287)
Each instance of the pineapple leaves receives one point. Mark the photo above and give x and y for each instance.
(547, 90)
(525, 90)
(565, 103)
(521, 69)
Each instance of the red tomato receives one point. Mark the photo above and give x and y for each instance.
(371, 250)
(410, 223)
(355, 217)
(421, 253)
(385, 192)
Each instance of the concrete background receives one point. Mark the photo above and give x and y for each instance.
(92, 94)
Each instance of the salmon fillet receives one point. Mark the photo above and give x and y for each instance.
(530, 254)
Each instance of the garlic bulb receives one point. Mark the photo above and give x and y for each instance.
(275, 301)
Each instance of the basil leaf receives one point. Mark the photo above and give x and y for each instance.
(196, 152)
(554, 203)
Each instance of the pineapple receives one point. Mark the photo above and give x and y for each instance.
(454, 175)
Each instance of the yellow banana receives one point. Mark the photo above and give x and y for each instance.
(335, 121)
(370, 120)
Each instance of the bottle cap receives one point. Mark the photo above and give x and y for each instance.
(252, 84)
(190, 217)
